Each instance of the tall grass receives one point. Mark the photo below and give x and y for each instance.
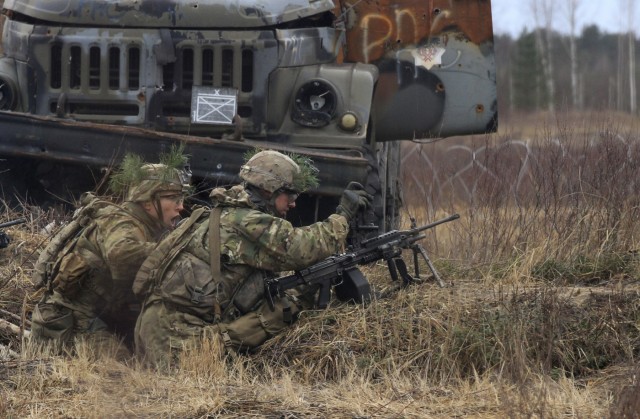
(566, 195)
(541, 317)
(444, 336)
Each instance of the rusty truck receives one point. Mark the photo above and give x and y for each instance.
(343, 82)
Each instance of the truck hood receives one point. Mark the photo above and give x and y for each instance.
(169, 13)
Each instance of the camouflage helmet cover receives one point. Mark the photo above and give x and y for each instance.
(158, 178)
(271, 171)
(139, 181)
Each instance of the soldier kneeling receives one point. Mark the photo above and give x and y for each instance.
(206, 278)
(89, 267)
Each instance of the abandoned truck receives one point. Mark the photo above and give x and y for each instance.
(343, 82)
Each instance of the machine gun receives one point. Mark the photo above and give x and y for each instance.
(4, 238)
(341, 271)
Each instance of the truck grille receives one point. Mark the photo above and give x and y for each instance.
(211, 67)
(204, 70)
(117, 79)
(98, 75)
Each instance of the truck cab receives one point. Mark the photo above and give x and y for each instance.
(342, 82)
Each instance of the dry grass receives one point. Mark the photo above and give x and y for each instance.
(473, 350)
(257, 387)
(540, 124)
(541, 319)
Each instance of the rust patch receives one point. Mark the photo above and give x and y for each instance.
(375, 29)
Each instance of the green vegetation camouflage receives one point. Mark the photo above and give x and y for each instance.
(140, 182)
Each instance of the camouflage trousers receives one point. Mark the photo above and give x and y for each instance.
(62, 327)
(164, 333)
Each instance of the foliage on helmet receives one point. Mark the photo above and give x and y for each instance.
(130, 172)
(176, 159)
(259, 171)
(140, 181)
(307, 178)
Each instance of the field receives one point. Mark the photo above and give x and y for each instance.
(540, 316)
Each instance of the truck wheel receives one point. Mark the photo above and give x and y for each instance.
(389, 163)
(384, 183)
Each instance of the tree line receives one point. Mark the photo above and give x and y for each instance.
(546, 70)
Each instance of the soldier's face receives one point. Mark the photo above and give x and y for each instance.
(284, 202)
(171, 205)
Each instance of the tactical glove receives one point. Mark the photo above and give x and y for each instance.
(354, 199)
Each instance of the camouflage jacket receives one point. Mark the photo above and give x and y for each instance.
(253, 244)
(95, 277)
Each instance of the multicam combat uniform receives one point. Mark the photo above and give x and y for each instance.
(91, 292)
(253, 244)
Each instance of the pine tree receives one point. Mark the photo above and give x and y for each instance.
(528, 84)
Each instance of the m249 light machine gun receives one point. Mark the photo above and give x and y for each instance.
(4, 238)
(341, 271)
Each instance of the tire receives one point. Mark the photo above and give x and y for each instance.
(384, 182)
(391, 192)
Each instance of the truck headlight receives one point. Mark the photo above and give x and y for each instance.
(7, 94)
(315, 104)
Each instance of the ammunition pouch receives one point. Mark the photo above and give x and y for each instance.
(189, 285)
(251, 292)
(256, 327)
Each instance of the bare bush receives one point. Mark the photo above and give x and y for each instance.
(564, 194)
(541, 319)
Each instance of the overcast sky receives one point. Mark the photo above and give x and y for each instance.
(511, 16)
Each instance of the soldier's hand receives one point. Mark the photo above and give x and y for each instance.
(366, 199)
(354, 199)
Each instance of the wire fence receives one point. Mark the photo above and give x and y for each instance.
(569, 196)
(520, 172)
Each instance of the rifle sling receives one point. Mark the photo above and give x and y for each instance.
(214, 242)
(214, 254)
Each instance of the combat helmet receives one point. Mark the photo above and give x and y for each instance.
(158, 178)
(273, 171)
(140, 181)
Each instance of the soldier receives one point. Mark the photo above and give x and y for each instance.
(206, 278)
(89, 273)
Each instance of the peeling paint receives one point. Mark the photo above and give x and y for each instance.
(378, 29)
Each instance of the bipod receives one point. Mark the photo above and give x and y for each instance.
(418, 250)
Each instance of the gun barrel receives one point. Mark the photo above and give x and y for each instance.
(12, 223)
(435, 223)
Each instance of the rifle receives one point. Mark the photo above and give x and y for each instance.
(4, 238)
(341, 271)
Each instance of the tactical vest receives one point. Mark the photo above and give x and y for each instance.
(190, 279)
(153, 268)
